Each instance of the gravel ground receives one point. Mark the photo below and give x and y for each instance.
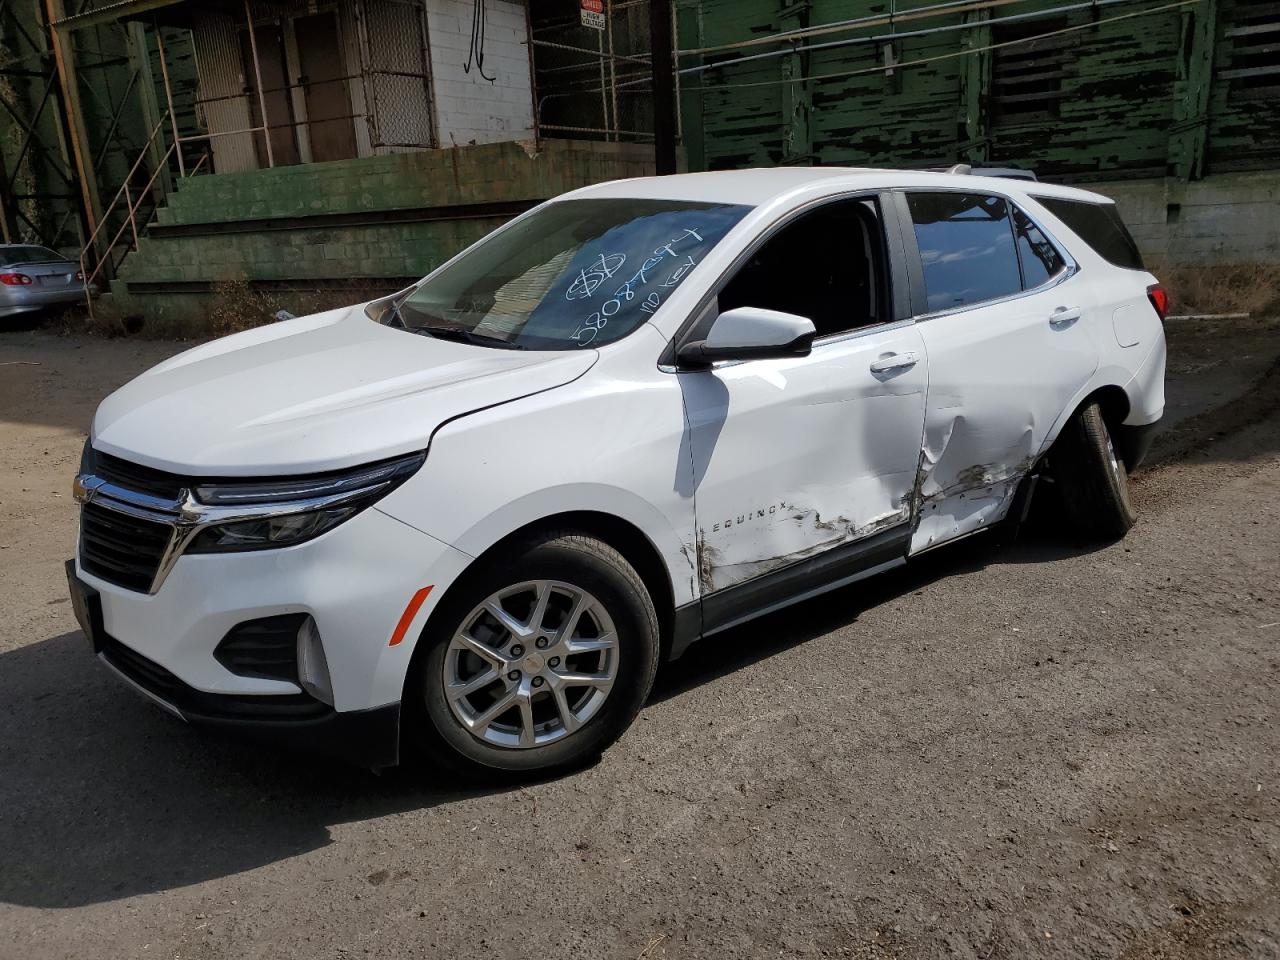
(999, 752)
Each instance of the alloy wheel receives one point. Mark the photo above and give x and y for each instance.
(531, 664)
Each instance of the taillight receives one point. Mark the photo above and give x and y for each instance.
(1159, 298)
(14, 279)
(79, 276)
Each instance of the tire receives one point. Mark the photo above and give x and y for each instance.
(1092, 479)
(550, 725)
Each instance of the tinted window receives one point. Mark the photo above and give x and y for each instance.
(827, 265)
(966, 245)
(1099, 225)
(576, 273)
(1040, 259)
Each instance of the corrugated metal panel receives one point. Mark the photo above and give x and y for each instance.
(382, 44)
(217, 45)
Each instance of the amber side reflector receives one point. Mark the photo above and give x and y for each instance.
(410, 612)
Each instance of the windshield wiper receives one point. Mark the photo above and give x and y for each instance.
(459, 335)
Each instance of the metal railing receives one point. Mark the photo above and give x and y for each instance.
(135, 202)
(593, 82)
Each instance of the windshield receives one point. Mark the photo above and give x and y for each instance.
(577, 273)
(12, 255)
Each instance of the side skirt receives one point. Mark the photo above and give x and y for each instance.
(800, 581)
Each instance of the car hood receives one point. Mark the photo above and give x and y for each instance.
(317, 393)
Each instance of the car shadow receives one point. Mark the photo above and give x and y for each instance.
(103, 796)
(774, 633)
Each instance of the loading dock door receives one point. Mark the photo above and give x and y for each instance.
(323, 80)
(275, 91)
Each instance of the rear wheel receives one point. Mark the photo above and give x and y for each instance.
(1092, 479)
(536, 663)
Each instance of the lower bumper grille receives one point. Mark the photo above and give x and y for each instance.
(198, 705)
(121, 549)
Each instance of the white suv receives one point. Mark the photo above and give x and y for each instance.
(473, 518)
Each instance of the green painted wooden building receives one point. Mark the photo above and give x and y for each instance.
(1171, 107)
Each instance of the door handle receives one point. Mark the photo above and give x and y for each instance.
(895, 361)
(1064, 316)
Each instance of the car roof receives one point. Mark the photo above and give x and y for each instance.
(765, 184)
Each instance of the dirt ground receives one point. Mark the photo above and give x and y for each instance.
(998, 752)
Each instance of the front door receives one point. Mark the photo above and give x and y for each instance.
(324, 85)
(1009, 349)
(796, 458)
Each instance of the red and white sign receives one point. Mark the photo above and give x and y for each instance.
(592, 13)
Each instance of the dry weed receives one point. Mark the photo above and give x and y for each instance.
(1243, 288)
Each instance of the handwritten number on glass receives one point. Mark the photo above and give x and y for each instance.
(589, 279)
(604, 267)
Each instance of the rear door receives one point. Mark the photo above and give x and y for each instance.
(1003, 325)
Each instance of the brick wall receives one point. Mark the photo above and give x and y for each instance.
(469, 108)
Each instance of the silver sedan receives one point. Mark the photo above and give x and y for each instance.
(36, 278)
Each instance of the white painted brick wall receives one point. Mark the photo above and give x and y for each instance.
(470, 109)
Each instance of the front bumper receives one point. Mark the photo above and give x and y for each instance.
(365, 737)
(355, 582)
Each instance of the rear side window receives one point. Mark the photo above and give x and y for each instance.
(966, 247)
(1099, 225)
(1040, 259)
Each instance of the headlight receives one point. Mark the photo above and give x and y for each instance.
(267, 514)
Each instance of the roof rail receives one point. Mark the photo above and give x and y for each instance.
(1010, 173)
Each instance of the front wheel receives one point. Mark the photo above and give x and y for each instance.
(1092, 478)
(537, 662)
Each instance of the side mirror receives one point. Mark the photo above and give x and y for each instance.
(750, 333)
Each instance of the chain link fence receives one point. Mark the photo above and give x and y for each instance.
(593, 84)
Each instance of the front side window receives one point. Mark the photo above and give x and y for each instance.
(576, 273)
(966, 246)
(828, 265)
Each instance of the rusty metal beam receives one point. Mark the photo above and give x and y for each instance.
(8, 224)
(64, 58)
(140, 56)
